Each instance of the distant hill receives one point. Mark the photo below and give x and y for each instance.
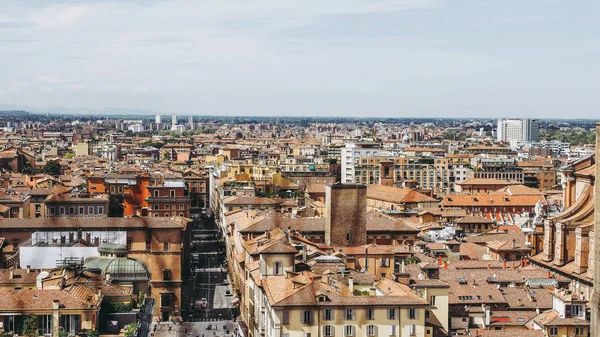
(14, 113)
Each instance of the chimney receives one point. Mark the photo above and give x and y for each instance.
(268, 234)
(514, 242)
(504, 266)
(11, 275)
(55, 304)
(88, 301)
(372, 292)
(519, 302)
(304, 258)
(28, 269)
(351, 284)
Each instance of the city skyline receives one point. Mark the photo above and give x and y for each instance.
(393, 59)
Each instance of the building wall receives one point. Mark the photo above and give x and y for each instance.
(346, 215)
(402, 322)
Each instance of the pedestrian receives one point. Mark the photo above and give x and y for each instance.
(154, 328)
(170, 327)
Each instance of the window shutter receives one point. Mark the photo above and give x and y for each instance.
(392, 330)
(333, 330)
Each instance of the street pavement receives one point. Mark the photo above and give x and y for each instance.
(197, 329)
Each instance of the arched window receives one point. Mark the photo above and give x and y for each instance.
(166, 274)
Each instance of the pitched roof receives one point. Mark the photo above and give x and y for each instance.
(491, 200)
(16, 223)
(396, 195)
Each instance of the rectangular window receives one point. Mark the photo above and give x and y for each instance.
(155, 193)
(575, 310)
(370, 314)
(120, 189)
(327, 314)
(371, 330)
(432, 301)
(148, 244)
(51, 210)
(165, 300)
(44, 325)
(579, 331)
(166, 246)
(172, 193)
(81, 210)
(307, 317)
(180, 206)
(553, 331)
(392, 330)
(100, 210)
(90, 209)
(328, 330)
(278, 268)
(285, 317)
(413, 313)
(412, 330)
(348, 330)
(70, 323)
(391, 313)
(349, 314)
(62, 210)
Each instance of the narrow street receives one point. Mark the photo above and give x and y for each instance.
(209, 296)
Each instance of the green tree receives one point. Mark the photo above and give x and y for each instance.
(52, 167)
(69, 155)
(30, 326)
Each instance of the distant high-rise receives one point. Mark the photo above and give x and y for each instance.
(174, 120)
(191, 122)
(157, 119)
(526, 130)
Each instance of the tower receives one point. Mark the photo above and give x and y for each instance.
(346, 215)
(174, 120)
(157, 119)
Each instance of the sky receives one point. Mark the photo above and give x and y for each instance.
(355, 58)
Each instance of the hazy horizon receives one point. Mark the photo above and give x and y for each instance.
(351, 58)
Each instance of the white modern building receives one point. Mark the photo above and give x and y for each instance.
(351, 153)
(157, 119)
(525, 130)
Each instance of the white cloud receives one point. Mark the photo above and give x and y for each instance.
(59, 16)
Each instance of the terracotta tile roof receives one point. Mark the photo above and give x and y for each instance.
(14, 223)
(518, 190)
(396, 195)
(491, 200)
(377, 222)
(470, 219)
(277, 247)
(245, 201)
(20, 276)
(512, 317)
(572, 321)
(35, 299)
(507, 333)
(522, 298)
(302, 289)
(472, 251)
(374, 249)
